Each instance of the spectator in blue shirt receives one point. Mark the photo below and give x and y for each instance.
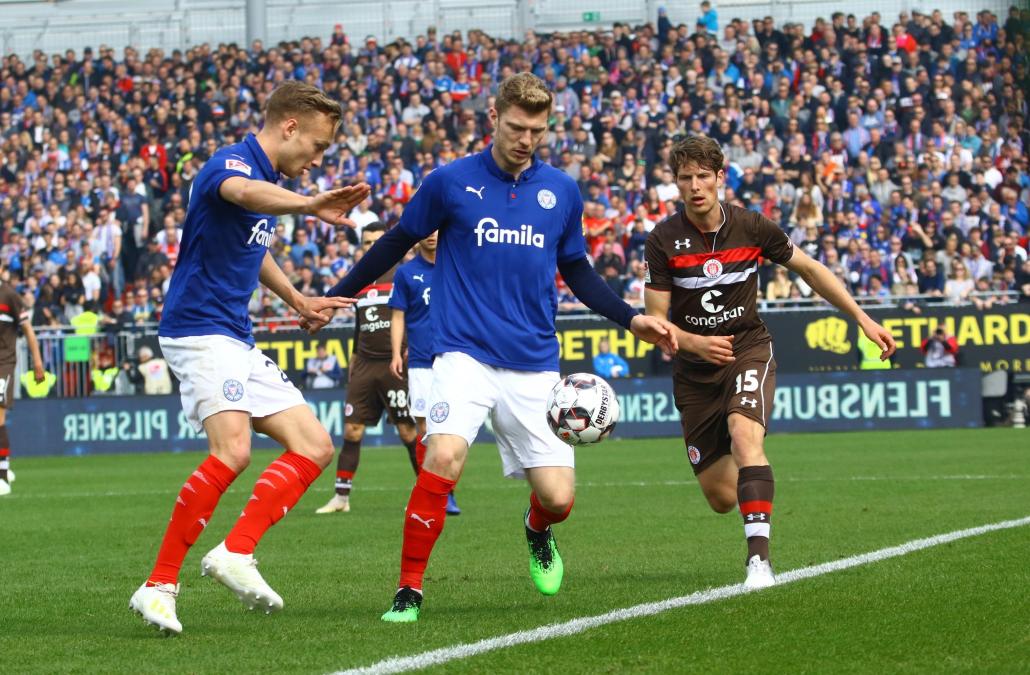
(302, 246)
(709, 18)
(986, 28)
(609, 365)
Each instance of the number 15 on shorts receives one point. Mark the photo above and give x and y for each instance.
(747, 381)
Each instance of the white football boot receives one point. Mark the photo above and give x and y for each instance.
(156, 604)
(10, 475)
(338, 504)
(238, 572)
(5, 488)
(759, 574)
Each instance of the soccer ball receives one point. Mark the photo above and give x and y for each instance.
(582, 409)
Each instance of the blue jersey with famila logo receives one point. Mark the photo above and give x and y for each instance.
(501, 240)
(411, 288)
(223, 246)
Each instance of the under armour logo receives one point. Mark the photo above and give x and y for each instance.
(427, 523)
(478, 193)
(753, 402)
(417, 277)
(756, 516)
(682, 243)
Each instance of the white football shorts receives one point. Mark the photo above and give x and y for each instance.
(465, 391)
(420, 383)
(219, 373)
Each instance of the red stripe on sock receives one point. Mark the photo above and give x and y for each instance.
(5, 452)
(193, 508)
(423, 523)
(345, 475)
(541, 518)
(756, 506)
(420, 451)
(276, 491)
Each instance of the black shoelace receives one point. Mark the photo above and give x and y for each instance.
(540, 543)
(406, 598)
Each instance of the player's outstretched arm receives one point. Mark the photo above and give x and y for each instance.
(383, 255)
(314, 312)
(717, 349)
(829, 287)
(264, 197)
(591, 290)
(37, 357)
(397, 342)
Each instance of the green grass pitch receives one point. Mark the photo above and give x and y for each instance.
(79, 535)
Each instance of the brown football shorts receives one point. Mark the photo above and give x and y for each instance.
(705, 398)
(371, 389)
(7, 384)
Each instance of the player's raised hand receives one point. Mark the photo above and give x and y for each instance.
(717, 349)
(334, 206)
(882, 337)
(657, 331)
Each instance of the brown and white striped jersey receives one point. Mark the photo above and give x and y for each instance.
(713, 277)
(372, 319)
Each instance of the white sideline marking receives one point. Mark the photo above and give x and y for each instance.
(520, 485)
(399, 664)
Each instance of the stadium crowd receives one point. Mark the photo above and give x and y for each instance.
(893, 150)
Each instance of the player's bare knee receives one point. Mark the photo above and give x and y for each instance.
(445, 460)
(407, 433)
(722, 503)
(353, 432)
(321, 450)
(234, 452)
(749, 455)
(557, 501)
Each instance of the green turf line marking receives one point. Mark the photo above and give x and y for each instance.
(400, 664)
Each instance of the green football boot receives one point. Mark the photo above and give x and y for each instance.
(545, 565)
(406, 606)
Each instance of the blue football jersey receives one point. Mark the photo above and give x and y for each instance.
(494, 295)
(223, 246)
(411, 289)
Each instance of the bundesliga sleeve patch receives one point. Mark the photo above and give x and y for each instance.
(237, 165)
(647, 273)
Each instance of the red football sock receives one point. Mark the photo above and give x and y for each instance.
(193, 508)
(420, 451)
(277, 490)
(423, 523)
(540, 518)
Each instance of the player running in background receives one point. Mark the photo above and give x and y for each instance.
(228, 385)
(371, 385)
(13, 317)
(410, 318)
(702, 264)
(507, 223)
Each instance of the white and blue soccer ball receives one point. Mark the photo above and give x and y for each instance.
(582, 409)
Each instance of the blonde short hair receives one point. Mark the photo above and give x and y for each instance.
(294, 98)
(526, 91)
